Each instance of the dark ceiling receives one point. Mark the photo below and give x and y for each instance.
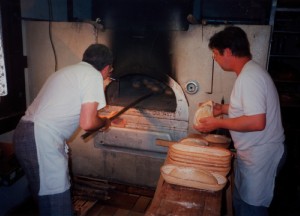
(155, 14)
(172, 14)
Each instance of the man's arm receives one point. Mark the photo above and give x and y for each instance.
(220, 109)
(241, 124)
(89, 119)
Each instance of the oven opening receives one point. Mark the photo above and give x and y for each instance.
(133, 86)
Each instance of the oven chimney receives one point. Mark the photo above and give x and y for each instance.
(142, 52)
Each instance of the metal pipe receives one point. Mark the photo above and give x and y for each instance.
(212, 77)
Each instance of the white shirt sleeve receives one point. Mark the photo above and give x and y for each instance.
(93, 89)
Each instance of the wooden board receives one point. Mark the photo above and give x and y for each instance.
(142, 204)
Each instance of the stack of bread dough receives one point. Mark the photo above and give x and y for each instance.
(209, 158)
(196, 165)
(194, 162)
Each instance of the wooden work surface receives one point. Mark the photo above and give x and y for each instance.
(170, 199)
(178, 200)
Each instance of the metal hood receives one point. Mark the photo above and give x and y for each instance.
(142, 15)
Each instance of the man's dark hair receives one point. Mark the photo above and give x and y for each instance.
(98, 55)
(231, 37)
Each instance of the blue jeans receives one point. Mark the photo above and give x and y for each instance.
(26, 152)
(242, 208)
(56, 204)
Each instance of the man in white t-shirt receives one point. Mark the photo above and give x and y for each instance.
(254, 122)
(70, 97)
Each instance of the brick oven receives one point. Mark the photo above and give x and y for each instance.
(142, 65)
(140, 38)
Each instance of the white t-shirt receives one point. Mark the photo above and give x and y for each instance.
(258, 152)
(55, 113)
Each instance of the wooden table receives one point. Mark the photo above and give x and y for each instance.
(179, 200)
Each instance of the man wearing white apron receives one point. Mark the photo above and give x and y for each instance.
(71, 97)
(254, 123)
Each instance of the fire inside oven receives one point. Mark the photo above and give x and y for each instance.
(131, 87)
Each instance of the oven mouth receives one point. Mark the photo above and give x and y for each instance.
(130, 87)
(163, 116)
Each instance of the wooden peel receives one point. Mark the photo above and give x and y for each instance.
(165, 143)
(87, 134)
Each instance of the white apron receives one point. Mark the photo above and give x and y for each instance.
(55, 113)
(51, 154)
(255, 172)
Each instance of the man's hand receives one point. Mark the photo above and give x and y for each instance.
(106, 124)
(207, 124)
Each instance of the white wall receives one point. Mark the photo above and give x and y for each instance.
(192, 58)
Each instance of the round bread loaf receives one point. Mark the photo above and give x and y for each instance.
(215, 138)
(205, 110)
(194, 141)
(220, 170)
(194, 175)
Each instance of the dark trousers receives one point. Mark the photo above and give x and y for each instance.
(26, 152)
(242, 208)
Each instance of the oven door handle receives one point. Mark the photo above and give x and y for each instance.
(88, 133)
